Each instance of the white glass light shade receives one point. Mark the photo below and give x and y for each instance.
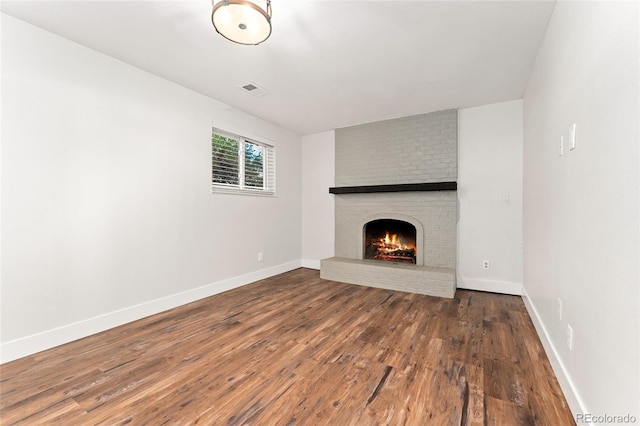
(242, 21)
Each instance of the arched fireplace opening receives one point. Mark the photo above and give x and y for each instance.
(390, 240)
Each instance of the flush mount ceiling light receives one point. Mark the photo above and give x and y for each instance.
(242, 21)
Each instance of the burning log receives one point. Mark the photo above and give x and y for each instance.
(390, 248)
(386, 239)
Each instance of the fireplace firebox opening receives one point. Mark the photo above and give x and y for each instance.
(390, 240)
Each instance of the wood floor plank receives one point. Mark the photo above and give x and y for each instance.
(298, 350)
(499, 411)
(428, 396)
(474, 412)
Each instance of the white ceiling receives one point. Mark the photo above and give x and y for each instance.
(327, 64)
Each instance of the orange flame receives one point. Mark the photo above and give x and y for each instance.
(391, 243)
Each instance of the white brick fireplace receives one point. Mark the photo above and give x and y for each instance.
(376, 165)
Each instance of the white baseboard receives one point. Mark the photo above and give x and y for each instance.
(311, 264)
(566, 384)
(505, 287)
(34, 343)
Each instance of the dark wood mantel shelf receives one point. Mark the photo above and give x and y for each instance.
(364, 189)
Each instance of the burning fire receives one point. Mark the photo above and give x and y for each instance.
(394, 244)
(391, 244)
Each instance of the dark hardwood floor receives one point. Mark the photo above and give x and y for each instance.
(295, 349)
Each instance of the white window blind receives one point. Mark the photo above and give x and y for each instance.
(242, 165)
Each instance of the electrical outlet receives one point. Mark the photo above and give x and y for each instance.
(260, 257)
(485, 264)
(559, 307)
(570, 337)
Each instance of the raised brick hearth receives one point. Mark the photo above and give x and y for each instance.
(409, 150)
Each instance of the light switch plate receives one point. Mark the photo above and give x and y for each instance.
(572, 144)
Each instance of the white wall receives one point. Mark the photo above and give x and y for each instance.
(489, 170)
(581, 210)
(107, 211)
(318, 218)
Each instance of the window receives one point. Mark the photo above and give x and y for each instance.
(241, 165)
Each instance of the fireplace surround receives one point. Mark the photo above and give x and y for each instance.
(402, 170)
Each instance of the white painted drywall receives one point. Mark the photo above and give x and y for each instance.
(490, 170)
(581, 210)
(106, 199)
(318, 218)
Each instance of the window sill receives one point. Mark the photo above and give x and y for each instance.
(235, 191)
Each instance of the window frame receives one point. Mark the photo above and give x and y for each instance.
(268, 167)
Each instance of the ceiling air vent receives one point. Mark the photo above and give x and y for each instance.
(253, 89)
